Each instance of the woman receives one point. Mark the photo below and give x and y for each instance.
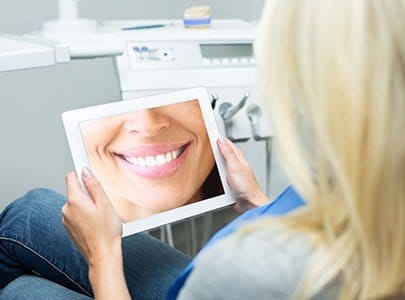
(152, 160)
(334, 76)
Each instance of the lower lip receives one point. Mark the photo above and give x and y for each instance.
(157, 172)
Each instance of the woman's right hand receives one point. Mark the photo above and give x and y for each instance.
(241, 178)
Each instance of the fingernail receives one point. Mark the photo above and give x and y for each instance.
(222, 140)
(228, 141)
(86, 173)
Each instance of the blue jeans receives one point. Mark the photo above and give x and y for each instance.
(39, 261)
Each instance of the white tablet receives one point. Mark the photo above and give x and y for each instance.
(156, 157)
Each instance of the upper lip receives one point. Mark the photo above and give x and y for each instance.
(152, 149)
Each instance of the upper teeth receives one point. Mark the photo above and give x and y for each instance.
(153, 161)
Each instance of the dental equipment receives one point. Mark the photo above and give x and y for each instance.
(142, 27)
(68, 21)
(214, 100)
(254, 113)
(227, 111)
(23, 52)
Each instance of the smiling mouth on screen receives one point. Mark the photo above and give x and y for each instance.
(154, 161)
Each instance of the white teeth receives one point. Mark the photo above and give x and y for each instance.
(153, 161)
(141, 162)
(150, 161)
(174, 154)
(132, 160)
(160, 159)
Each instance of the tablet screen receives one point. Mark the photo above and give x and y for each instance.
(152, 160)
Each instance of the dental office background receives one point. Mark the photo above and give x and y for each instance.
(34, 149)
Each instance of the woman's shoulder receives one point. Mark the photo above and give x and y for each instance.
(262, 263)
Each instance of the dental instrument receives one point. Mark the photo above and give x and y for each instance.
(140, 27)
(227, 111)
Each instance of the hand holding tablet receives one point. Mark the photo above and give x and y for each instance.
(156, 157)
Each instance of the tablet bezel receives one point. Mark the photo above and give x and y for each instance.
(73, 118)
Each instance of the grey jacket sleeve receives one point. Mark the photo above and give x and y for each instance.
(260, 265)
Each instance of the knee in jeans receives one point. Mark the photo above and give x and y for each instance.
(41, 198)
(24, 287)
(33, 287)
(14, 289)
(34, 205)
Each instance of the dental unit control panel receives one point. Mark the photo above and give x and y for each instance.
(184, 54)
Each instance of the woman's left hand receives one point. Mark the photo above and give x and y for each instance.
(90, 220)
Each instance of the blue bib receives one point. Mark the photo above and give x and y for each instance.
(286, 202)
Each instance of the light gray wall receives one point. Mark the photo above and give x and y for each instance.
(20, 16)
(34, 151)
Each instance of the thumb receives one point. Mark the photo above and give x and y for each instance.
(228, 152)
(94, 188)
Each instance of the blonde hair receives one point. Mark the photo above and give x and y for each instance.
(333, 74)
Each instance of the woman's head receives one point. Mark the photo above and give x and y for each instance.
(150, 160)
(333, 74)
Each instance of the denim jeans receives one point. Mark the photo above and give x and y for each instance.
(39, 261)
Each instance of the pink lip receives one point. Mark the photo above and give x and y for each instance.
(157, 172)
(152, 149)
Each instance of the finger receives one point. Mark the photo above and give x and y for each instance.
(239, 153)
(73, 188)
(94, 188)
(232, 145)
(227, 151)
(65, 211)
